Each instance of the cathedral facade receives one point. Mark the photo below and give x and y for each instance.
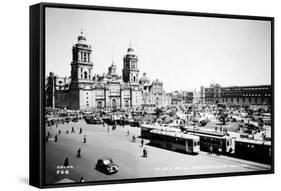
(85, 91)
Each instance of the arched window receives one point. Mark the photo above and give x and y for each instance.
(85, 75)
(126, 103)
(114, 106)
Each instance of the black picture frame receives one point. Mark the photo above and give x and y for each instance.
(37, 94)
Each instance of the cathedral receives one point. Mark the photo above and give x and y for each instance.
(110, 91)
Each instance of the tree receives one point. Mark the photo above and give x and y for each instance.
(223, 117)
(158, 112)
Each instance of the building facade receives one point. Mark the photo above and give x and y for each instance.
(182, 97)
(85, 91)
(202, 94)
(153, 94)
(238, 95)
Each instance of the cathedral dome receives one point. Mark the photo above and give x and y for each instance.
(144, 79)
(130, 50)
(157, 82)
(81, 38)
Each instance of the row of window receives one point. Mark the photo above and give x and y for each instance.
(238, 100)
(243, 100)
(100, 105)
(168, 139)
(243, 89)
(236, 95)
(252, 95)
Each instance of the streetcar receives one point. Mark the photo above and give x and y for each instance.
(216, 142)
(147, 128)
(175, 141)
(255, 150)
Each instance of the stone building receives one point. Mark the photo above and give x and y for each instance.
(188, 97)
(196, 97)
(85, 91)
(153, 94)
(238, 95)
(202, 94)
(213, 94)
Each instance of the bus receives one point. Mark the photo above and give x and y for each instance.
(175, 141)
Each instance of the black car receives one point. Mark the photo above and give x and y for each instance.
(107, 166)
(75, 119)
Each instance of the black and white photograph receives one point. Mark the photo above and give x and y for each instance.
(140, 95)
(135, 95)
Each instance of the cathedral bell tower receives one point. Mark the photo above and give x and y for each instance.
(130, 66)
(81, 65)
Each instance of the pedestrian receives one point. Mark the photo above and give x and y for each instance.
(78, 153)
(128, 132)
(56, 138)
(82, 179)
(72, 130)
(211, 150)
(66, 162)
(59, 132)
(80, 131)
(108, 129)
(142, 142)
(144, 152)
(133, 138)
(84, 140)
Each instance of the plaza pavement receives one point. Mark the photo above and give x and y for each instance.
(127, 155)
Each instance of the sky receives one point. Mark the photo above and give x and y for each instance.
(184, 52)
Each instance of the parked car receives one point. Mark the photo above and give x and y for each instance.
(107, 166)
(75, 119)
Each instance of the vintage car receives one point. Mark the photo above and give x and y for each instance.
(107, 166)
(75, 119)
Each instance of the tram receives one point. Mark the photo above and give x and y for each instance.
(216, 142)
(175, 141)
(255, 150)
(147, 128)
